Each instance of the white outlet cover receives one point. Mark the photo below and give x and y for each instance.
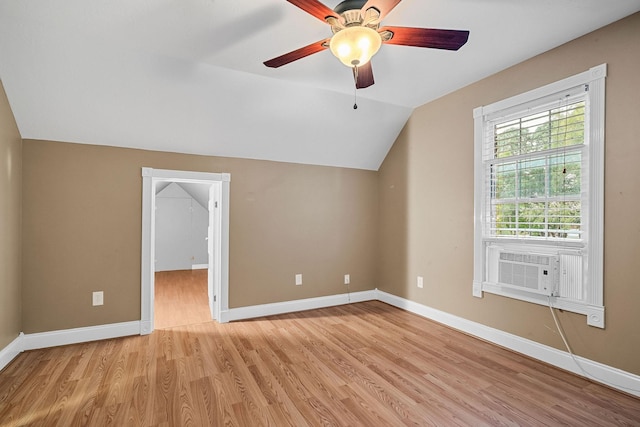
(298, 279)
(98, 298)
(420, 282)
(347, 279)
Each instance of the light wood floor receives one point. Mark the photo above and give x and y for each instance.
(180, 298)
(365, 364)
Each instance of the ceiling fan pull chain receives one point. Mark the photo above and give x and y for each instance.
(355, 87)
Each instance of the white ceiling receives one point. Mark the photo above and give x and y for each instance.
(187, 75)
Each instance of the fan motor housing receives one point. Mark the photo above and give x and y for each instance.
(351, 13)
(349, 5)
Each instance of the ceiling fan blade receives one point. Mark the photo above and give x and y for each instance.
(384, 6)
(297, 54)
(315, 8)
(427, 37)
(364, 76)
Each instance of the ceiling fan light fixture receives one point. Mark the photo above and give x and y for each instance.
(355, 46)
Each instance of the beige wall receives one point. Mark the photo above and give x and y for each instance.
(10, 213)
(426, 198)
(82, 230)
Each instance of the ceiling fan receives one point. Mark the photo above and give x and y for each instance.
(357, 35)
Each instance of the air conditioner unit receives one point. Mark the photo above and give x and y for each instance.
(525, 271)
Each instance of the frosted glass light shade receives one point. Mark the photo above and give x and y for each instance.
(354, 46)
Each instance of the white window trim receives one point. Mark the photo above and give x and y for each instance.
(594, 308)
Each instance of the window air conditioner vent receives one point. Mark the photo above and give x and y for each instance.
(525, 271)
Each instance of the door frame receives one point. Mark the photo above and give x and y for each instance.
(219, 245)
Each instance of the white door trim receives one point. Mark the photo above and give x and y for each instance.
(219, 269)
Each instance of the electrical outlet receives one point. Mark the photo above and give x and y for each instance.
(347, 279)
(98, 298)
(420, 282)
(298, 279)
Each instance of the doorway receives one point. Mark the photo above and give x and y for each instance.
(217, 238)
(181, 254)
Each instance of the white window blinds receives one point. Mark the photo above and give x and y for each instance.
(534, 171)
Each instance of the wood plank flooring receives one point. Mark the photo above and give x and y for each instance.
(180, 298)
(365, 364)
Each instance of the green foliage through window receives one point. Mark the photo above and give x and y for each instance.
(536, 174)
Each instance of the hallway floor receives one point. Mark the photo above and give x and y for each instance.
(181, 298)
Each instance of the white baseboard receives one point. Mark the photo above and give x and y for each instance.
(8, 353)
(67, 336)
(115, 330)
(78, 335)
(199, 266)
(599, 372)
(613, 377)
(253, 311)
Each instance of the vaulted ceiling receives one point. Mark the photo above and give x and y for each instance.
(188, 76)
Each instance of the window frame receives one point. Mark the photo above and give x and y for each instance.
(591, 245)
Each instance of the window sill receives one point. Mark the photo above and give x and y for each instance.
(594, 313)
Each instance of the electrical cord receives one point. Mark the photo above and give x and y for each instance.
(577, 362)
(584, 372)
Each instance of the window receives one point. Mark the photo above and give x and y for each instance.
(539, 195)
